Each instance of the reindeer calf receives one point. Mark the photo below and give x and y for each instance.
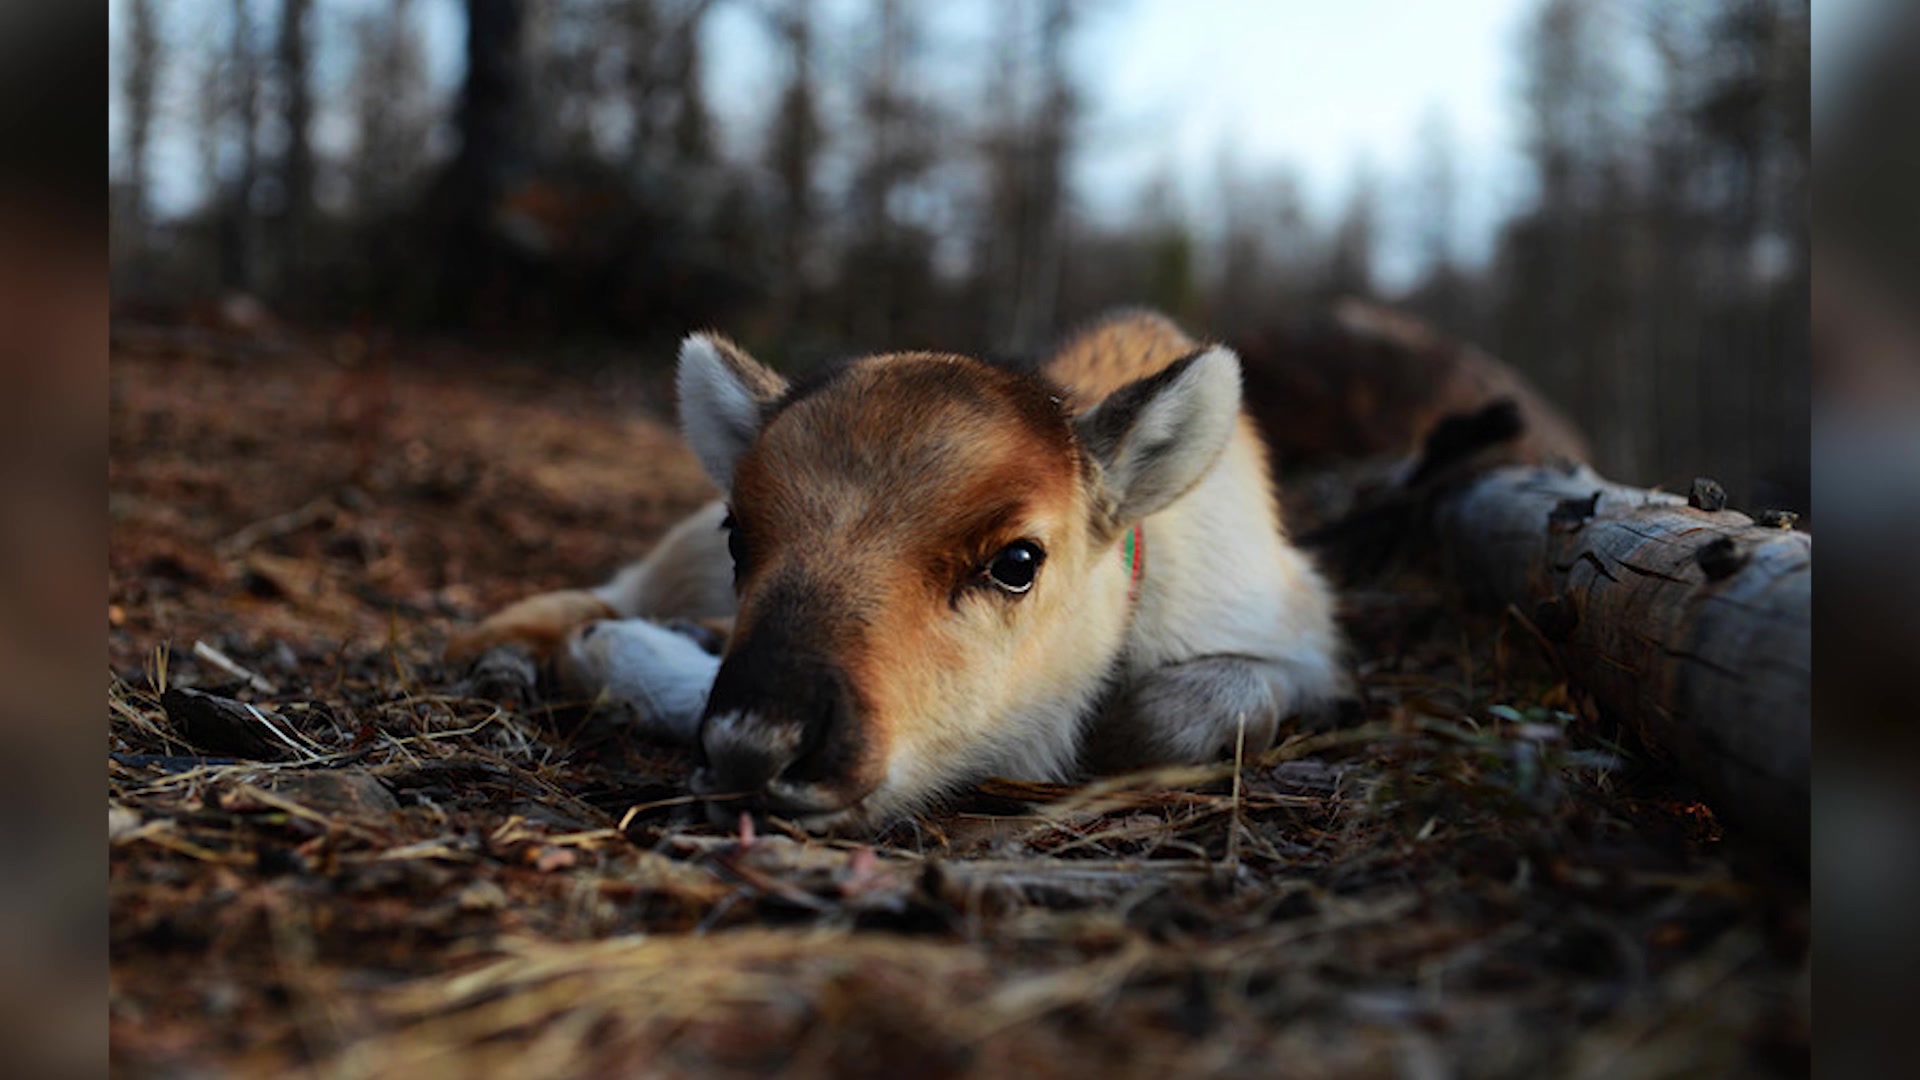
(941, 570)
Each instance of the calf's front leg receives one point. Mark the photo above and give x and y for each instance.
(662, 675)
(688, 575)
(1189, 712)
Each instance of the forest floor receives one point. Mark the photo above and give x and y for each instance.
(353, 859)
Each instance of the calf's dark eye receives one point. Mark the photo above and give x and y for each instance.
(736, 546)
(1013, 568)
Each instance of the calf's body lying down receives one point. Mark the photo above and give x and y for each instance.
(940, 570)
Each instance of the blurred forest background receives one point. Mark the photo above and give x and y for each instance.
(572, 182)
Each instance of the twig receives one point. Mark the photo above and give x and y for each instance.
(678, 800)
(232, 667)
(1233, 830)
(298, 743)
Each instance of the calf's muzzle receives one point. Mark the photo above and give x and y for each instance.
(780, 734)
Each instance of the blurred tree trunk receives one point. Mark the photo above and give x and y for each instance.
(1657, 286)
(236, 194)
(672, 128)
(1565, 314)
(996, 256)
(641, 26)
(886, 266)
(389, 120)
(142, 78)
(1032, 112)
(692, 123)
(488, 117)
(296, 161)
(794, 152)
(488, 112)
(1034, 312)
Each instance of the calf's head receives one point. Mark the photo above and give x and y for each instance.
(926, 554)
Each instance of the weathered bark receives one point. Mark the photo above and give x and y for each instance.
(1691, 627)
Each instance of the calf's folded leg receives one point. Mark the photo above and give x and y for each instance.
(1190, 712)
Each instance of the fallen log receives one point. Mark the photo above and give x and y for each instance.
(1689, 625)
(1692, 627)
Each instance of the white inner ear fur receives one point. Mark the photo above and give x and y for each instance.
(1173, 437)
(722, 394)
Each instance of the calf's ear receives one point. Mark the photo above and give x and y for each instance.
(724, 398)
(1155, 438)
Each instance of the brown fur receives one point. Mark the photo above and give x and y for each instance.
(923, 480)
(897, 401)
(873, 665)
(1115, 351)
(1129, 345)
(538, 624)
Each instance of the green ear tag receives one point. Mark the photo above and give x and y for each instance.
(1134, 550)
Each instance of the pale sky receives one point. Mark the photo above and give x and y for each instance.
(1323, 86)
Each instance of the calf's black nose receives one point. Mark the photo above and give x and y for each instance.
(773, 715)
(744, 751)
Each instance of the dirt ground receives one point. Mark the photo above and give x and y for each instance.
(354, 859)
